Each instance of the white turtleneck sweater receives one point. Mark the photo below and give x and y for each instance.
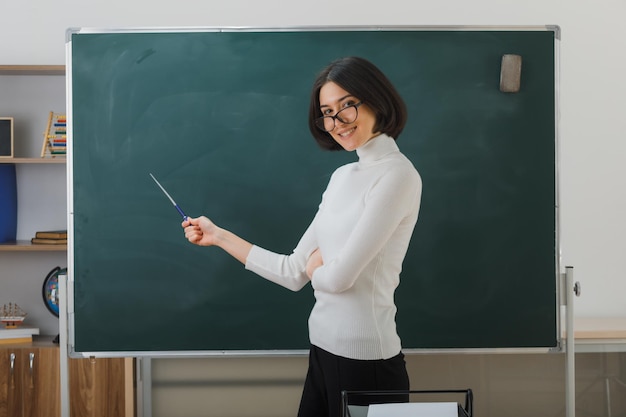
(362, 228)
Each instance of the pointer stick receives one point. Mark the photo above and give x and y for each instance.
(170, 197)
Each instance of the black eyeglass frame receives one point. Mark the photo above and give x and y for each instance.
(319, 122)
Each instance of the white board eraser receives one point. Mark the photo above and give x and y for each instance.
(510, 73)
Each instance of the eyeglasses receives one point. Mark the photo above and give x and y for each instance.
(345, 115)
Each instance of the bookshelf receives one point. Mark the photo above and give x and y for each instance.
(28, 154)
(29, 93)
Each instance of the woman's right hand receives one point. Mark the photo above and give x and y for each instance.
(200, 231)
(314, 262)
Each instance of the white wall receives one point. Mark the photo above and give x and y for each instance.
(593, 90)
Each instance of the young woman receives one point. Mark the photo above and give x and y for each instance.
(353, 250)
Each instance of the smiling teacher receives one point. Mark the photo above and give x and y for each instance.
(352, 252)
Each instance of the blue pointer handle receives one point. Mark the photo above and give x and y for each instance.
(181, 212)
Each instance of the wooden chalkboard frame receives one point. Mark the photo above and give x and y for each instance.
(550, 343)
(6, 137)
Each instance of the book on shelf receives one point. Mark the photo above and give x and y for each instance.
(48, 241)
(18, 335)
(51, 234)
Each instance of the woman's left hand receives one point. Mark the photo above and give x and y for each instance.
(314, 262)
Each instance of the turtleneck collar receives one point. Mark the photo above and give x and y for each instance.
(376, 148)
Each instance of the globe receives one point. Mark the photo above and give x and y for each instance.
(50, 290)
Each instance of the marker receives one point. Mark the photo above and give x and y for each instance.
(170, 197)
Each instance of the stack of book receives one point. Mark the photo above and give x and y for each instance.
(12, 316)
(50, 237)
(18, 335)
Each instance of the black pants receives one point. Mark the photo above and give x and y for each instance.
(329, 374)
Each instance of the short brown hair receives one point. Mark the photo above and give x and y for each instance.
(365, 81)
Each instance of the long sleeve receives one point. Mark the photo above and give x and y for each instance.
(391, 201)
(285, 270)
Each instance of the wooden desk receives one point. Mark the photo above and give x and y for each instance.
(600, 334)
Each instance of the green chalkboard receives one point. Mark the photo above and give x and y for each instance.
(220, 118)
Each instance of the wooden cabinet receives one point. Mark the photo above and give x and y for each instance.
(30, 383)
(102, 387)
